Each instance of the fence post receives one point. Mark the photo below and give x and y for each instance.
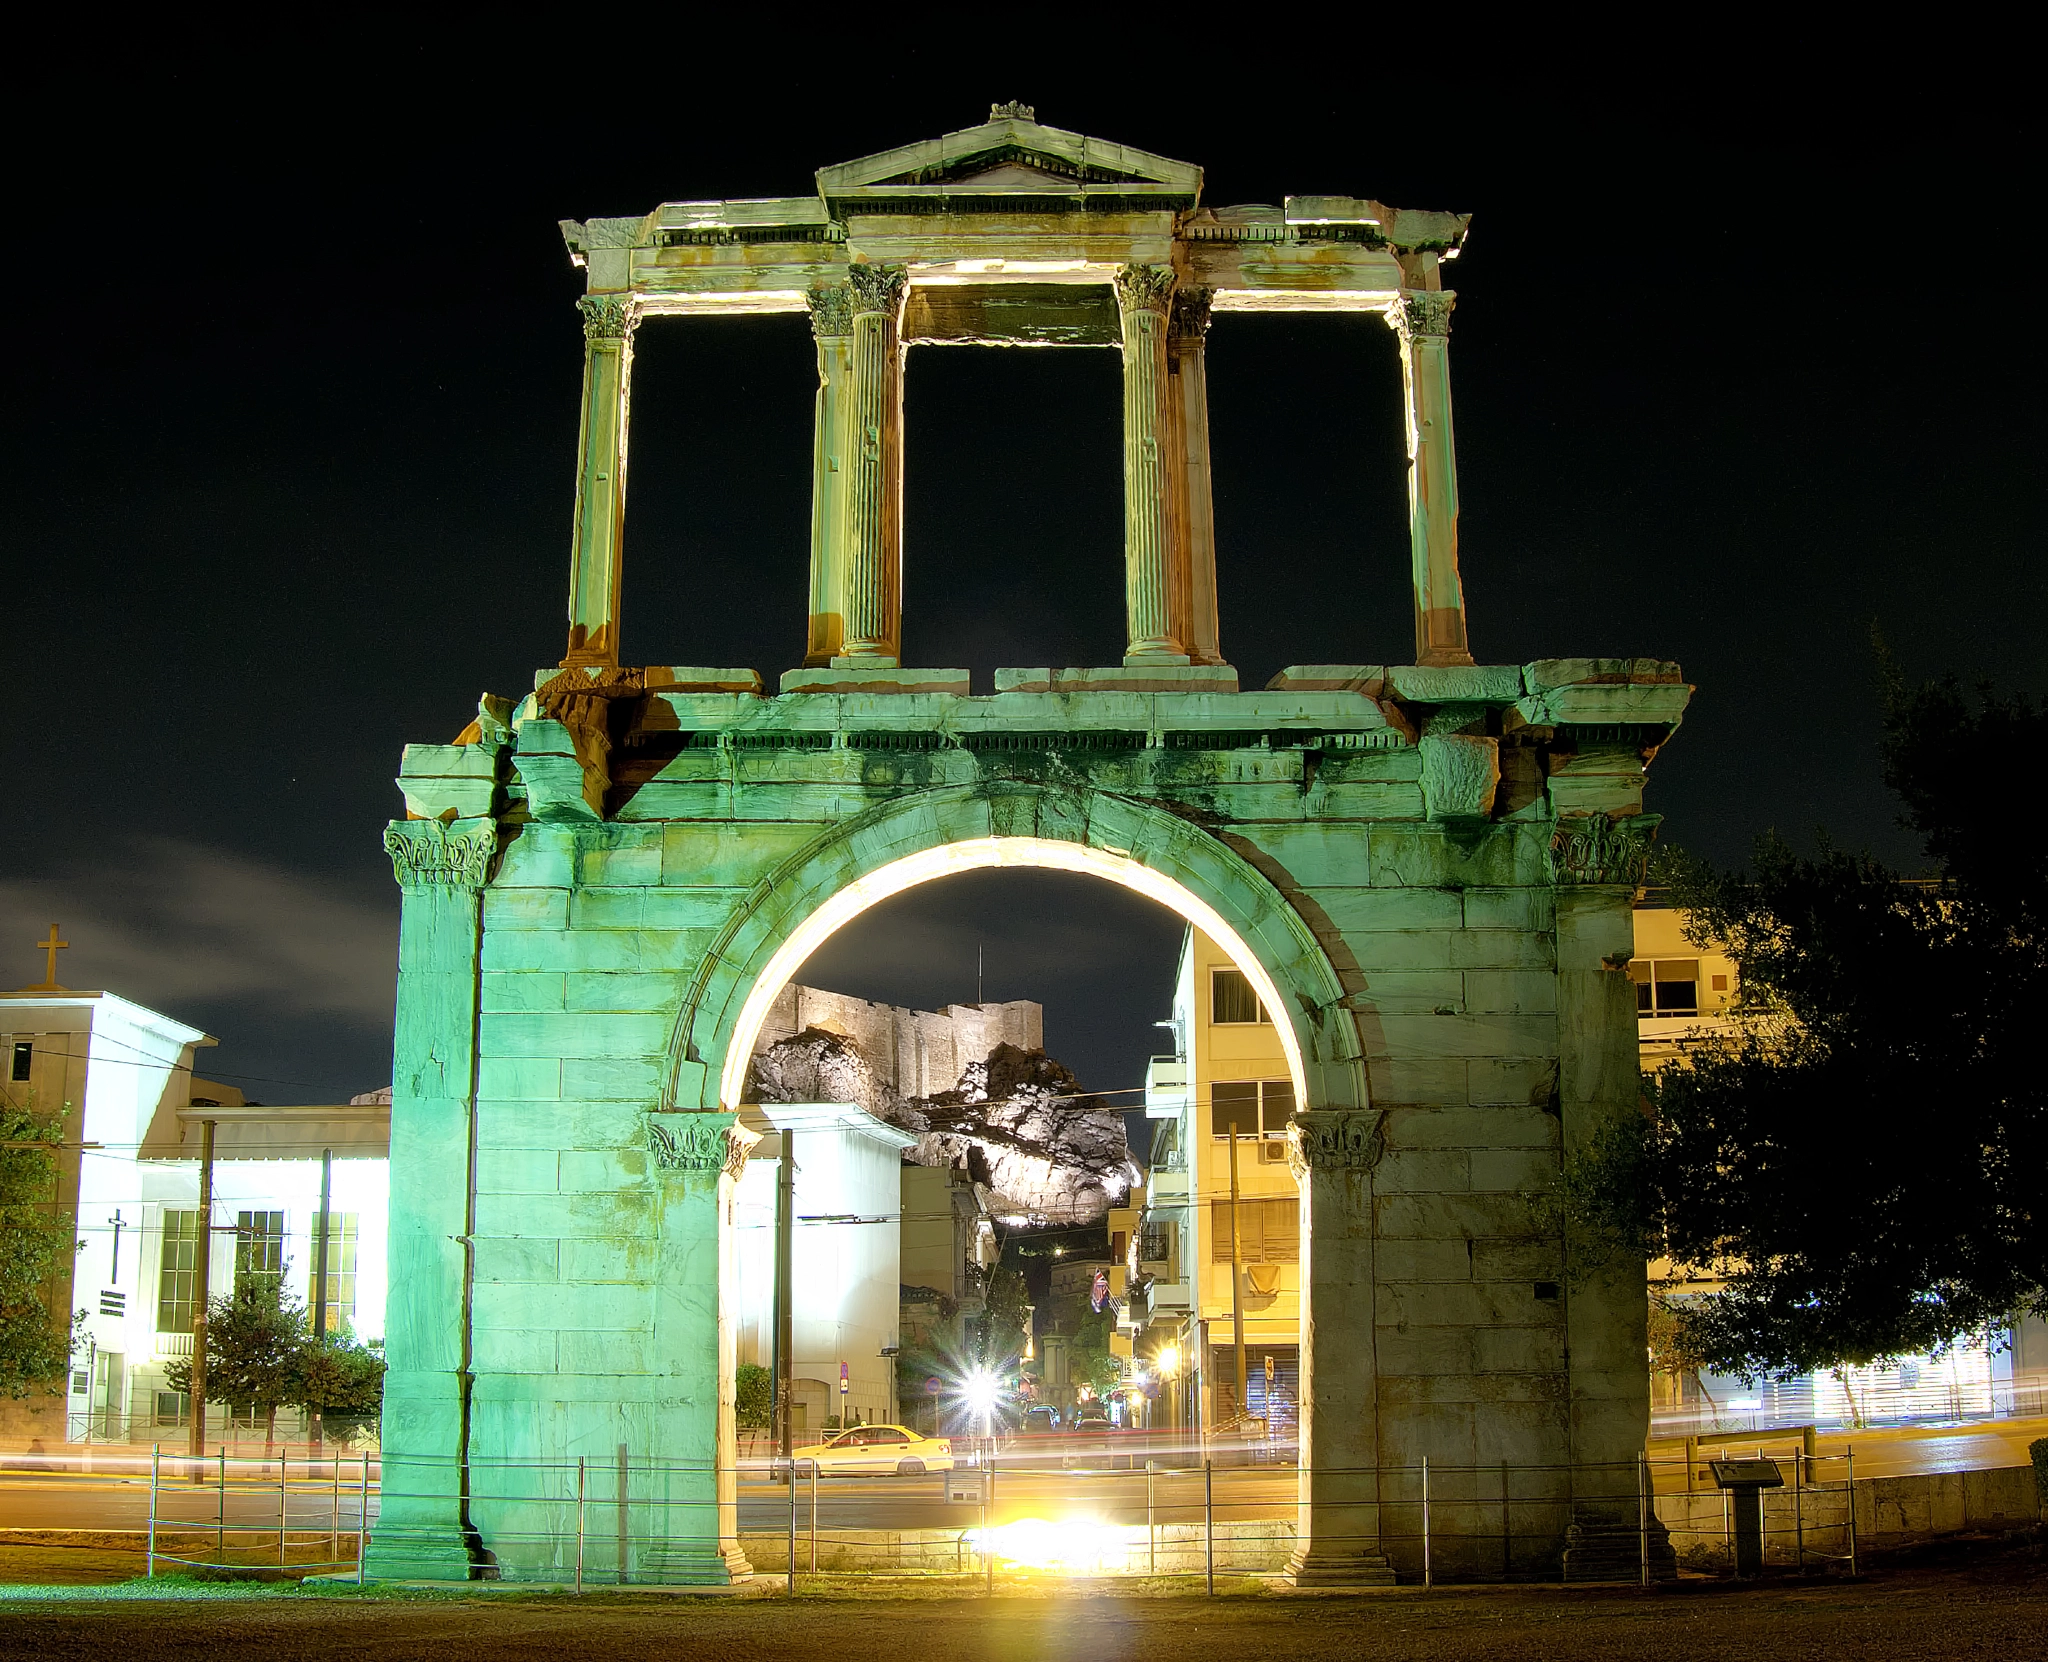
(1643, 1513)
(284, 1500)
(363, 1521)
(1852, 1509)
(1809, 1437)
(1426, 1581)
(625, 1521)
(792, 1528)
(1799, 1512)
(580, 1479)
(220, 1534)
(1151, 1521)
(1209, 1522)
(988, 1508)
(814, 1517)
(334, 1517)
(1692, 1461)
(156, 1456)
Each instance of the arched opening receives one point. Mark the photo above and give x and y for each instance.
(982, 853)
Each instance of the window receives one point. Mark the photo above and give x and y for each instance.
(177, 1282)
(259, 1247)
(1231, 998)
(1268, 1231)
(1666, 986)
(172, 1407)
(341, 1267)
(24, 1058)
(1257, 1107)
(1155, 1244)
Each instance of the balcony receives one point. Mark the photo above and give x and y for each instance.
(1166, 1087)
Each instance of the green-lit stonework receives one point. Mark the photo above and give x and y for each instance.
(1431, 866)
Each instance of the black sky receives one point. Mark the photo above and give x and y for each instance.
(292, 372)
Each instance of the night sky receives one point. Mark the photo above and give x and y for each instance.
(292, 384)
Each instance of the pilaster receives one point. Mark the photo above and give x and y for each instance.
(1421, 320)
(874, 475)
(832, 329)
(1193, 504)
(423, 1529)
(599, 544)
(1337, 1529)
(1144, 296)
(698, 1160)
(1597, 863)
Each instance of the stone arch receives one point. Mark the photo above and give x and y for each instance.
(916, 839)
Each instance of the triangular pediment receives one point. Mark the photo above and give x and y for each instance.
(1011, 154)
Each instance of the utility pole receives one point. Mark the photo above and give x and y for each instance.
(785, 1315)
(202, 1271)
(317, 1431)
(1237, 1283)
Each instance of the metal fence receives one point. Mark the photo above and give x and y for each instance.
(627, 1520)
(227, 1513)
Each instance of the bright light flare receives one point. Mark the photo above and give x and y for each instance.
(1073, 1546)
(979, 1390)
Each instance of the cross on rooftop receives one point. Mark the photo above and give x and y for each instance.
(51, 947)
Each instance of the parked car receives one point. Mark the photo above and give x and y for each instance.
(1039, 1419)
(876, 1448)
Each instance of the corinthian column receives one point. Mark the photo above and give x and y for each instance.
(1194, 514)
(832, 329)
(874, 474)
(1144, 293)
(1421, 318)
(594, 570)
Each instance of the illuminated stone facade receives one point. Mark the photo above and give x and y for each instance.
(1425, 872)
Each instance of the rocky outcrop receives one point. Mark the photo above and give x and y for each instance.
(1017, 1121)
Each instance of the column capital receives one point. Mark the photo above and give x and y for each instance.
(607, 316)
(1336, 1139)
(428, 853)
(1189, 319)
(877, 288)
(1421, 312)
(831, 310)
(1144, 288)
(1593, 848)
(707, 1145)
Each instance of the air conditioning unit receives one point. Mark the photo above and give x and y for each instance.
(1273, 1152)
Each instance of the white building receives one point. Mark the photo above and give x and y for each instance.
(845, 1255)
(128, 1170)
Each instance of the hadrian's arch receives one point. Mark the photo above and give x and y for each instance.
(1427, 868)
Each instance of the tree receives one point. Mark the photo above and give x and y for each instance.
(338, 1381)
(256, 1342)
(1863, 1157)
(753, 1396)
(36, 1238)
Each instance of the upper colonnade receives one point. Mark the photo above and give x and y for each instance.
(1013, 233)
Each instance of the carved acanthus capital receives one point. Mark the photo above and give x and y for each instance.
(1422, 312)
(877, 288)
(1336, 1139)
(1189, 320)
(1144, 288)
(1012, 111)
(708, 1145)
(427, 853)
(606, 316)
(831, 310)
(1592, 848)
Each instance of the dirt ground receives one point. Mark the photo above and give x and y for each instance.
(1993, 1605)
